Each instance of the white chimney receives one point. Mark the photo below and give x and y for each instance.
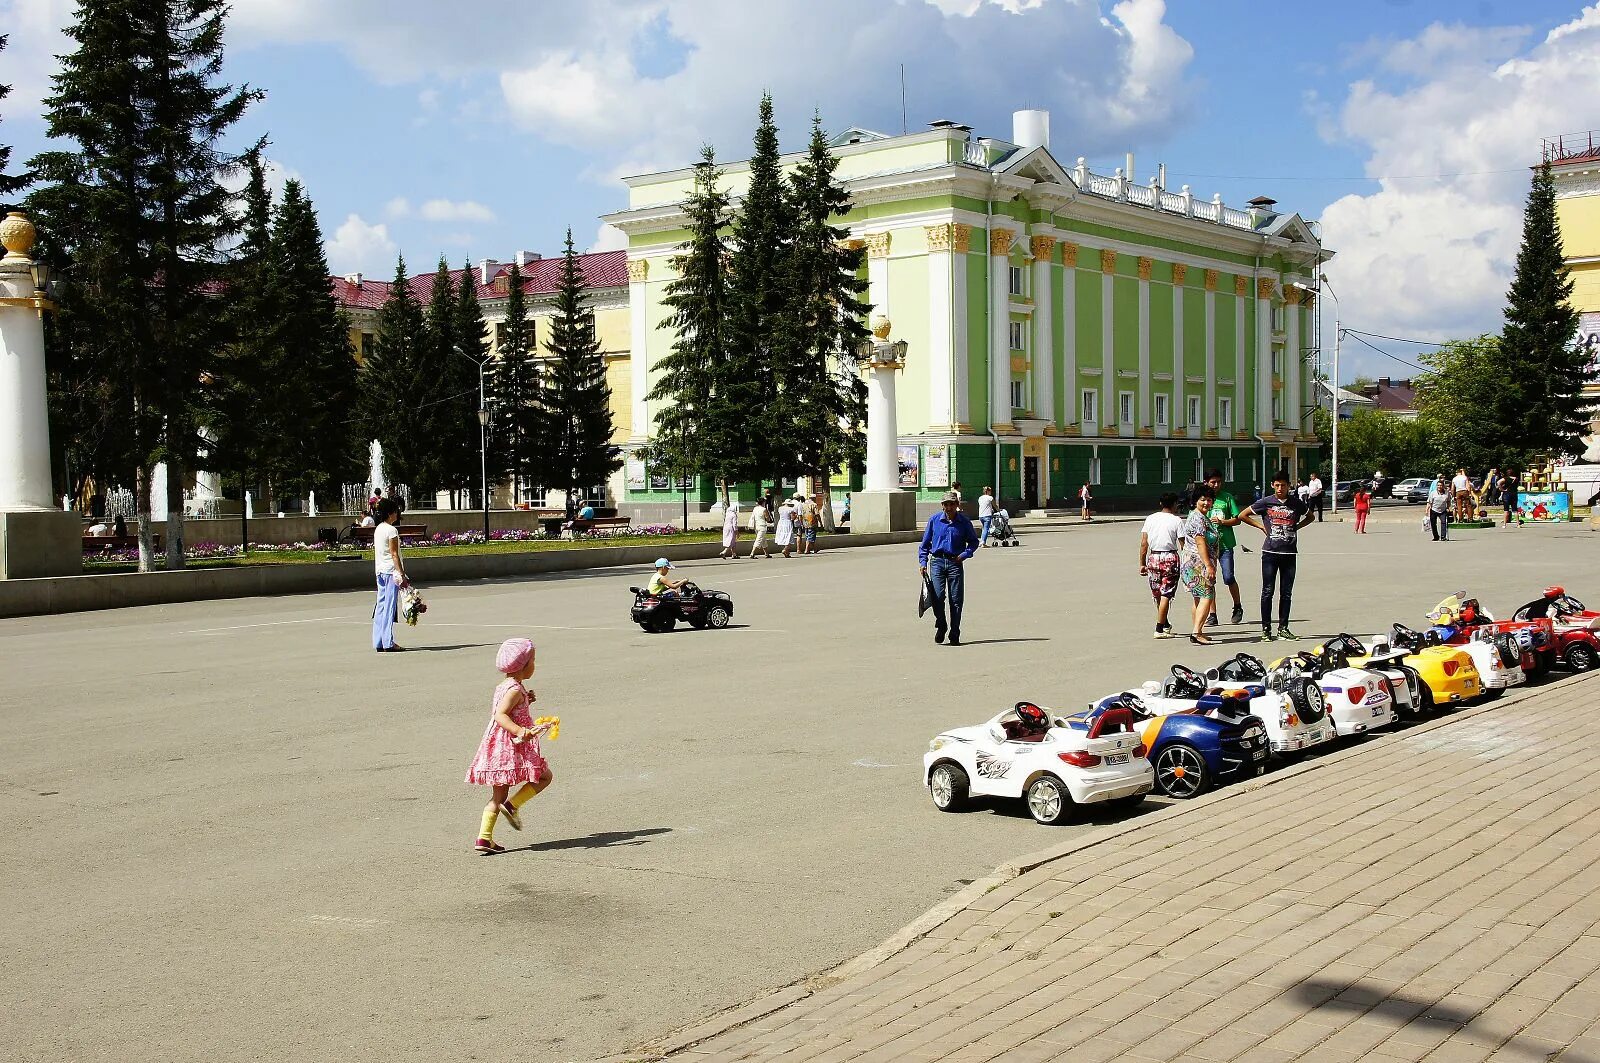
(486, 271)
(1030, 129)
(1127, 171)
(353, 278)
(524, 258)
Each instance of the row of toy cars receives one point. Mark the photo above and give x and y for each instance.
(1189, 731)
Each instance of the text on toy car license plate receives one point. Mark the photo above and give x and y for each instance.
(1117, 758)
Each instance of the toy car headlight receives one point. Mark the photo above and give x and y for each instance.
(937, 744)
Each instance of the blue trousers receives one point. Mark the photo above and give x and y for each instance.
(984, 535)
(949, 582)
(385, 611)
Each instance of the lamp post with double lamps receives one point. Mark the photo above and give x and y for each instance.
(483, 437)
(1338, 335)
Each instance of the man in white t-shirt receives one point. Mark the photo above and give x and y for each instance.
(1314, 495)
(391, 573)
(985, 514)
(1158, 558)
(1461, 488)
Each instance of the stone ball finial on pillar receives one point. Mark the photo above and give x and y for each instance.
(17, 235)
(880, 326)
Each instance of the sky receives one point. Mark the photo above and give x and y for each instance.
(1406, 127)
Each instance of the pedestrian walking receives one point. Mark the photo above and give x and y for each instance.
(1223, 507)
(985, 514)
(810, 521)
(955, 489)
(1085, 500)
(787, 516)
(1440, 498)
(509, 753)
(372, 502)
(1508, 493)
(1461, 492)
(1197, 560)
(760, 522)
(730, 529)
(1279, 517)
(1315, 495)
(948, 542)
(1363, 505)
(1158, 558)
(391, 573)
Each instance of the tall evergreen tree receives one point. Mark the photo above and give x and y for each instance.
(396, 385)
(141, 196)
(578, 400)
(321, 448)
(10, 184)
(473, 341)
(759, 363)
(516, 395)
(1542, 403)
(824, 394)
(699, 424)
(453, 399)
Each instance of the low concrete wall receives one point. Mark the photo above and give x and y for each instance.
(67, 594)
(224, 531)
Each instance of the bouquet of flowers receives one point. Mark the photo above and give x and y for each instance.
(549, 726)
(411, 606)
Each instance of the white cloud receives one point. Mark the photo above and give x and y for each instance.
(37, 32)
(607, 238)
(1432, 258)
(447, 210)
(359, 245)
(398, 207)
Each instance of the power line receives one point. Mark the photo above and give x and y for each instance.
(1357, 337)
(1396, 339)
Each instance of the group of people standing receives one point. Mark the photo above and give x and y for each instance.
(1198, 550)
(793, 522)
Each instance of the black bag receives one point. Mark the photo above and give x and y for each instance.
(925, 599)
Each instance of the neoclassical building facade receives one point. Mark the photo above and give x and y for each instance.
(1064, 327)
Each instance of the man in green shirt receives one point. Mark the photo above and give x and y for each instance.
(1222, 508)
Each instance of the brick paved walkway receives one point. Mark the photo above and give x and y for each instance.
(1434, 895)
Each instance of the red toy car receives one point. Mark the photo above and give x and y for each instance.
(1577, 630)
(1459, 618)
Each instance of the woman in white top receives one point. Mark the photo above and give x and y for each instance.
(785, 535)
(391, 573)
(759, 525)
(985, 514)
(730, 529)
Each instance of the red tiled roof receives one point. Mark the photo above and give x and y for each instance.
(1399, 396)
(603, 269)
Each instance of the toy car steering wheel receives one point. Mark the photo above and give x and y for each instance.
(1244, 666)
(688, 587)
(1189, 677)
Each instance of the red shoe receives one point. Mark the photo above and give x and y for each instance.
(485, 847)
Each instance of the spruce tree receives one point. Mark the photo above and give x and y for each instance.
(824, 394)
(1543, 369)
(697, 427)
(396, 384)
(516, 399)
(139, 196)
(759, 365)
(10, 184)
(473, 340)
(321, 448)
(578, 399)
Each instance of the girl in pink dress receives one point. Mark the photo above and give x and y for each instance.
(509, 753)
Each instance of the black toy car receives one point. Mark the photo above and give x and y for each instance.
(661, 612)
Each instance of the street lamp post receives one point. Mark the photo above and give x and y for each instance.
(1338, 335)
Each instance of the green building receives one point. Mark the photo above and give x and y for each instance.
(1064, 327)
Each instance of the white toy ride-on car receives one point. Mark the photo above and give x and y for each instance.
(1358, 700)
(1290, 705)
(1055, 765)
(1405, 683)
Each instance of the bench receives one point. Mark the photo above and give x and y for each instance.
(409, 533)
(579, 525)
(95, 544)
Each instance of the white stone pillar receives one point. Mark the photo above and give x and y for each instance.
(1293, 408)
(883, 439)
(1208, 411)
(1000, 329)
(1069, 330)
(1044, 338)
(36, 538)
(942, 297)
(1180, 357)
(1110, 409)
(1241, 345)
(960, 347)
(1263, 389)
(639, 350)
(1142, 416)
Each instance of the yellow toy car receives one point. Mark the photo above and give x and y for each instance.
(1447, 672)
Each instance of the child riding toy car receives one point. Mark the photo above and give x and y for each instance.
(661, 612)
(1577, 630)
(1458, 619)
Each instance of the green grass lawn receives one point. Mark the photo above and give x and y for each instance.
(318, 557)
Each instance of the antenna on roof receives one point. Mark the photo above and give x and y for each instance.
(903, 127)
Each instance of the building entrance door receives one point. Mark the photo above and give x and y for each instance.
(1030, 482)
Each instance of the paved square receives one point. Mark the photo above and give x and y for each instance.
(234, 832)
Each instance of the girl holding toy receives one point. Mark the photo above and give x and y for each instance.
(509, 753)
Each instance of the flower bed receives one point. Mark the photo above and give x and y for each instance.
(215, 551)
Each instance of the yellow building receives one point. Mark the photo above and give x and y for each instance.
(1575, 164)
(605, 275)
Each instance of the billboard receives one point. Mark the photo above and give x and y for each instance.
(1552, 506)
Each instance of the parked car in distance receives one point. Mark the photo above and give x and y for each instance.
(1382, 486)
(1344, 492)
(1413, 490)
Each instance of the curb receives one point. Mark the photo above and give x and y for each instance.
(694, 1033)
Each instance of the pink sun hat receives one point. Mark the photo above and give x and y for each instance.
(514, 655)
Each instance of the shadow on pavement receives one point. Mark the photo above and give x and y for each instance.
(455, 646)
(609, 839)
(996, 642)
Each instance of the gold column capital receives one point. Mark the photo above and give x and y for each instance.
(1042, 246)
(878, 245)
(1212, 276)
(1291, 295)
(961, 239)
(1180, 273)
(1241, 285)
(1108, 260)
(939, 236)
(1069, 254)
(1000, 241)
(638, 269)
(1145, 266)
(1264, 287)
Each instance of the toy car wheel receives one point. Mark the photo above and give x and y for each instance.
(662, 626)
(1049, 801)
(717, 617)
(947, 785)
(1181, 771)
(1425, 704)
(1581, 657)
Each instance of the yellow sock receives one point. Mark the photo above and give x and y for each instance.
(527, 792)
(486, 832)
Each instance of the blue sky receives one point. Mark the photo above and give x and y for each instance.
(477, 131)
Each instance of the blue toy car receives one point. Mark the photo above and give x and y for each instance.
(1216, 741)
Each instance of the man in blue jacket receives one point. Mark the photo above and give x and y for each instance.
(947, 542)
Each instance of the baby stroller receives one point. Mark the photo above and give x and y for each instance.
(1000, 529)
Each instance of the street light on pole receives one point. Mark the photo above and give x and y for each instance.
(1338, 335)
(483, 437)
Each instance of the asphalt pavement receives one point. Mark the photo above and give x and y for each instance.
(234, 832)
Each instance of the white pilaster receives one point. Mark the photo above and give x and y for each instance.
(1044, 347)
(1069, 326)
(942, 389)
(1109, 413)
(1179, 403)
(960, 346)
(1263, 354)
(1208, 406)
(639, 350)
(1293, 409)
(1000, 329)
(1142, 416)
(1241, 379)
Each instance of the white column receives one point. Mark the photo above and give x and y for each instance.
(1143, 416)
(941, 353)
(1180, 369)
(1069, 331)
(639, 349)
(1263, 389)
(960, 315)
(1000, 329)
(883, 463)
(1293, 409)
(1241, 371)
(1208, 412)
(24, 420)
(1109, 413)
(1044, 339)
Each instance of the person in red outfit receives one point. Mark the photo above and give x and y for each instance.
(1363, 502)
